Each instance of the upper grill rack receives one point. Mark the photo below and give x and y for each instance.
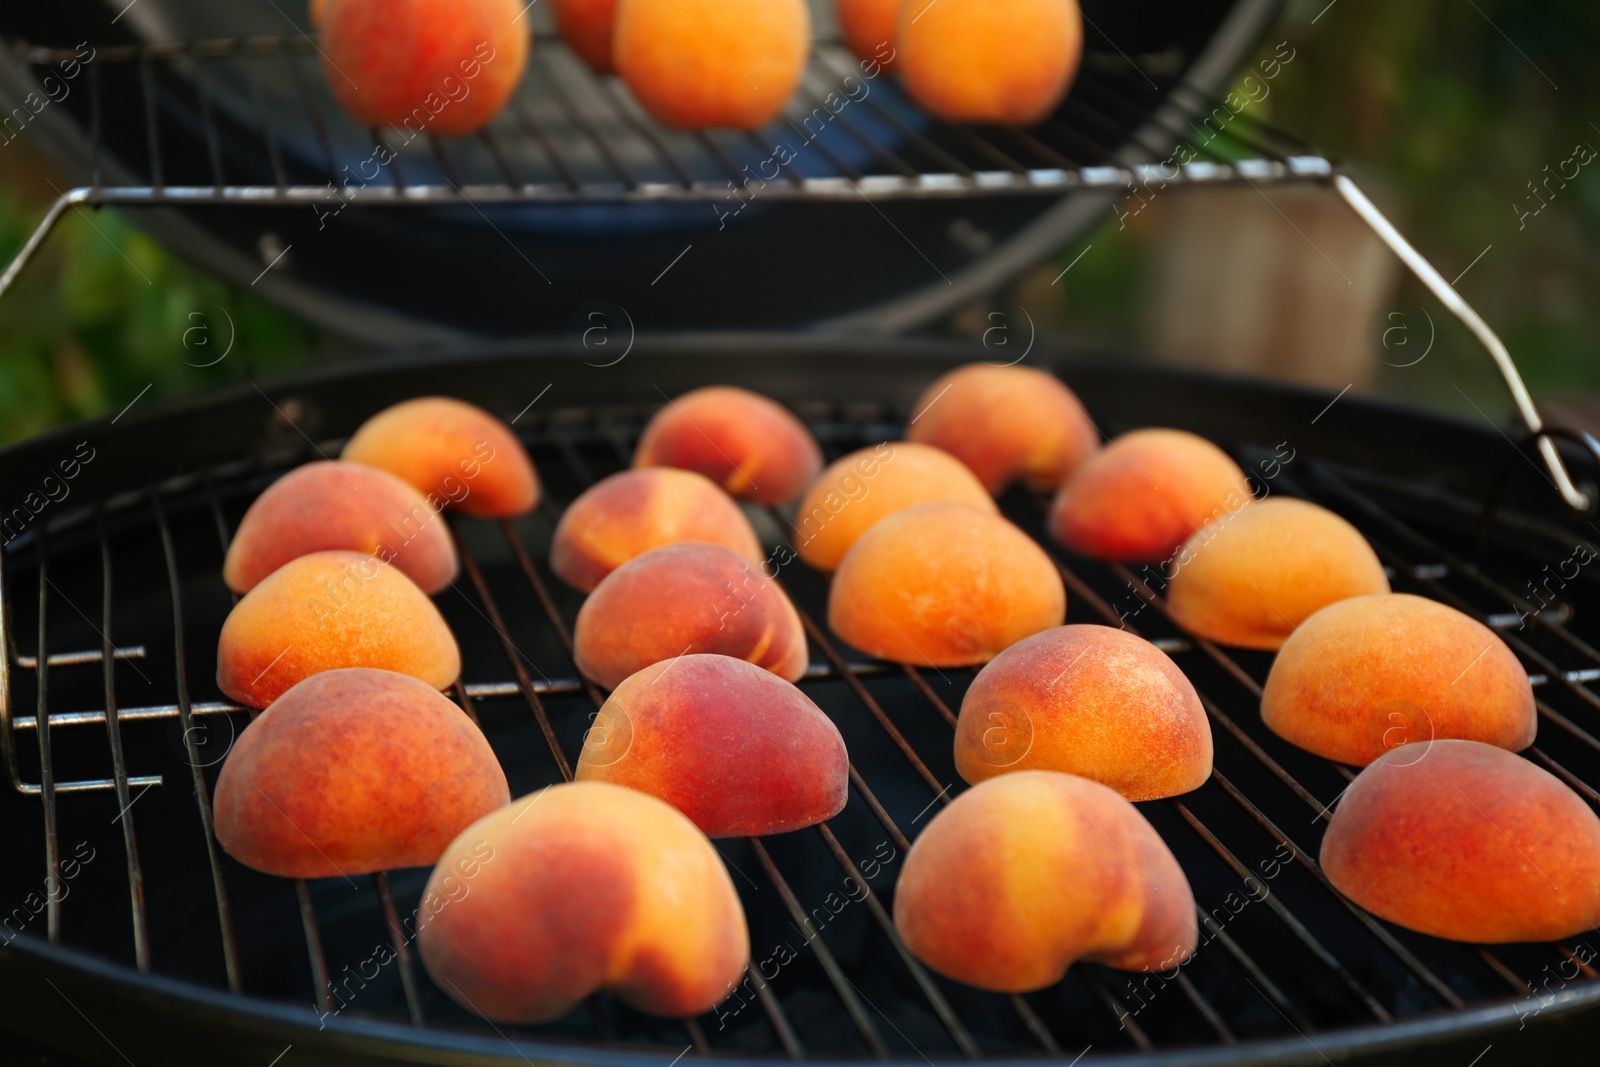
(1295, 960)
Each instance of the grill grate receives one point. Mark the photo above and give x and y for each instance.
(1295, 959)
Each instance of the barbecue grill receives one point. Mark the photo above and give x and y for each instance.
(128, 936)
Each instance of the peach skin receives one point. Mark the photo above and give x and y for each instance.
(870, 28)
(1001, 61)
(577, 889)
(1466, 841)
(435, 66)
(330, 610)
(1025, 874)
(461, 456)
(1144, 494)
(1007, 424)
(752, 447)
(1248, 580)
(737, 749)
(854, 493)
(1375, 672)
(695, 64)
(354, 771)
(334, 505)
(691, 597)
(589, 27)
(1087, 700)
(631, 512)
(944, 585)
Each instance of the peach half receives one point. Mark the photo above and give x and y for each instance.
(855, 492)
(1466, 841)
(737, 749)
(1025, 874)
(577, 889)
(461, 456)
(1375, 672)
(691, 597)
(326, 611)
(1144, 494)
(334, 505)
(354, 771)
(1086, 700)
(1250, 579)
(753, 448)
(626, 515)
(944, 585)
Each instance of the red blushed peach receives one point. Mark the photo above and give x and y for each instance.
(333, 505)
(694, 64)
(1091, 701)
(426, 66)
(854, 493)
(944, 585)
(1251, 578)
(870, 28)
(1007, 424)
(629, 513)
(1467, 841)
(747, 444)
(326, 611)
(578, 889)
(1142, 496)
(461, 456)
(1025, 874)
(354, 771)
(690, 597)
(1375, 672)
(1002, 61)
(738, 750)
(589, 28)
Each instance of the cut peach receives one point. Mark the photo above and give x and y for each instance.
(687, 598)
(354, 771)
(1250, 579)
(944, 585)
(1025, 874)
(589, 28)
(1091, 701)
(738, 750)
(334, 505)
(461, 456)
(1001, 61)
(854, 493)
(1142, 496)
(577, 889)
(631, 512)
(1467, 841)
(326, 611)
(752, 447)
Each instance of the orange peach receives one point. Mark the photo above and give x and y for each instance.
(1025, 874)
(694, 64)
(354, 771)
(1375, 672)
(589, 28)
(1001, 61)
(425, 66)
(1466, 841)
(738, 750)
(629, 513)
(690, 597)
(744, 442)
(577, 889)
(335, 505)
(326, 611)
(1144, 494)
(854, 493)
(1091, 701)
(460, 455)
(944, 585)
(1251, 578)
(870, 28)
(1006, 423)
